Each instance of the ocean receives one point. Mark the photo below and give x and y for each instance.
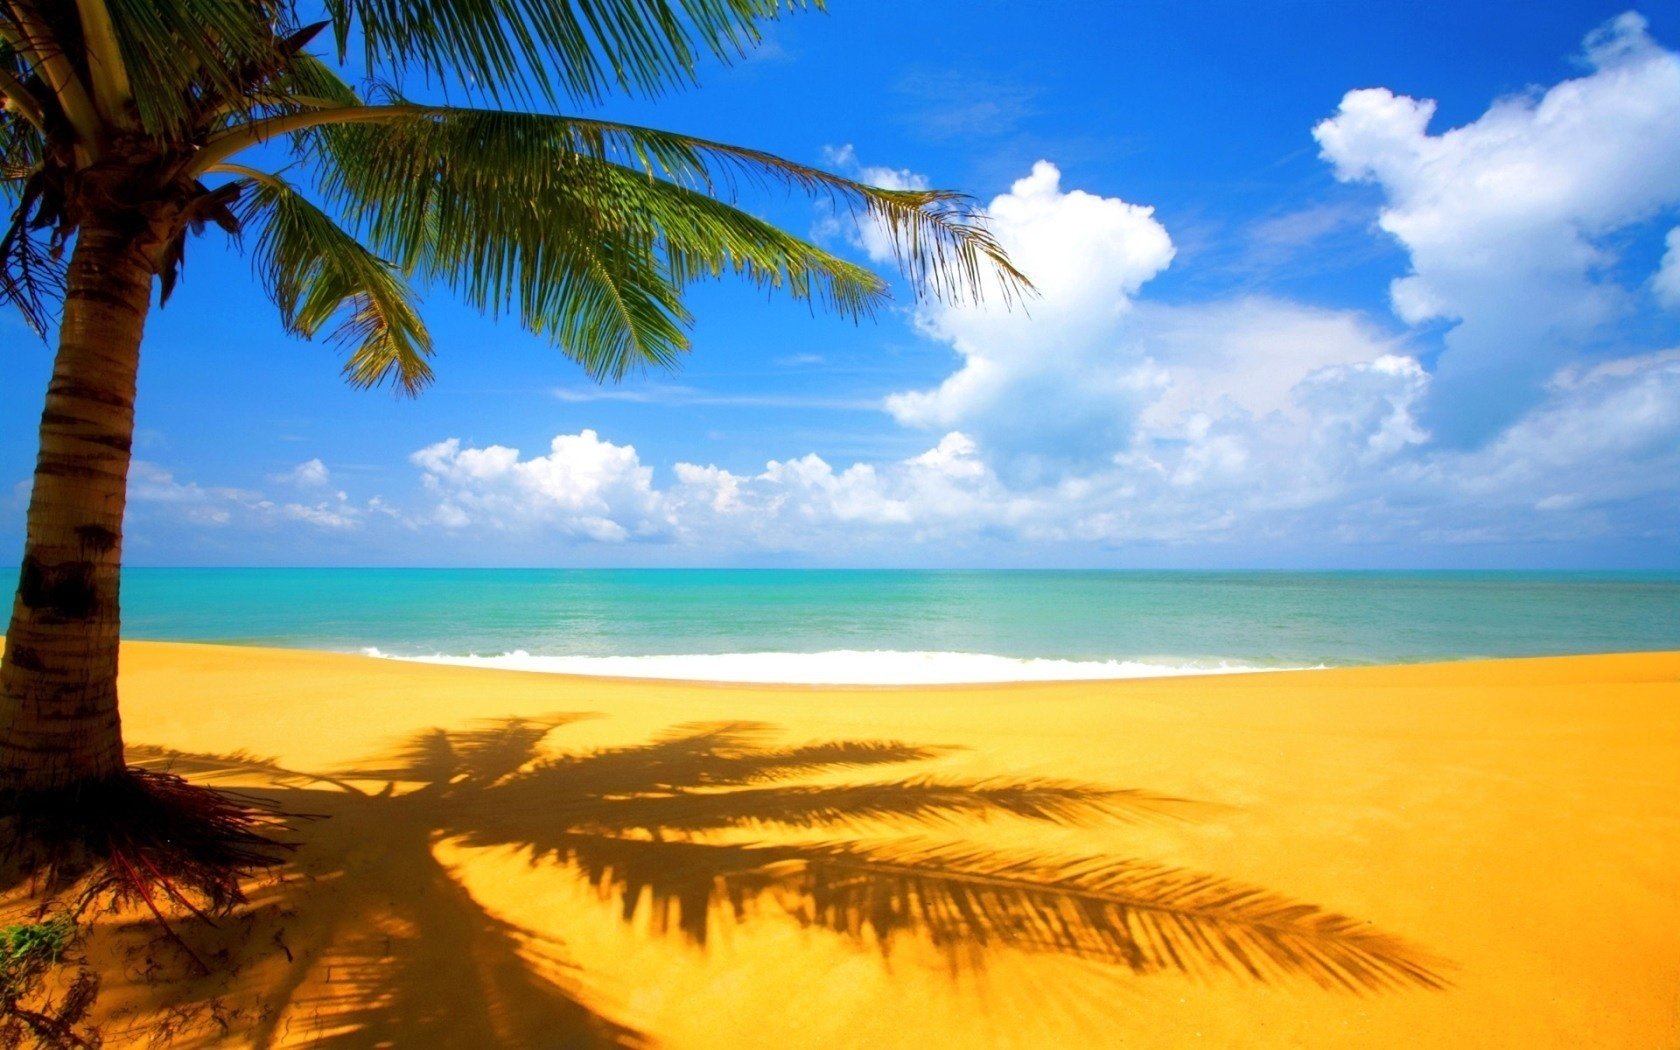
(902, 626)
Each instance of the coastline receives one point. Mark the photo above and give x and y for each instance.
(1516, 820)
(889, 669)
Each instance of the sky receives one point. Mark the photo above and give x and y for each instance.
(1321, 285)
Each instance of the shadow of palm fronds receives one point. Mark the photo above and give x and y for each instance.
(665, 826)
(479, 756)
(399, 953)
(638, 822)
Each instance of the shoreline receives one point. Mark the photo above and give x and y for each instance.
(1069, 670)
(888, 669)
(1515, 822)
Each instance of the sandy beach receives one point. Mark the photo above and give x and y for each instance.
(1508, 830)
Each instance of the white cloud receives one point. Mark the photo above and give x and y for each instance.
(1281, 238)
(154, 491)
(1344, 461)
(1603, 434)
(806, 503)
(1052, 378)
(335, 514)
(845, 158)
(592, 489)
(1248, 353)
(1090, 370)
(149, 483)
(797, 360)
(309, 474)
(1505, 218)
(583, 487)
(1666, 283)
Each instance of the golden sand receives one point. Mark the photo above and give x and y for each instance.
(1515, 824)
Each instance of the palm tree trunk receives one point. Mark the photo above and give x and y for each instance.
(59, 726)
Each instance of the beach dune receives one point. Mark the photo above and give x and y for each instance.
(511, 858)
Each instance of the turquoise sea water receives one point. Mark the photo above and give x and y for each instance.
(1262, 619)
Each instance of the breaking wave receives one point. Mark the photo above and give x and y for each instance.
(845, 667)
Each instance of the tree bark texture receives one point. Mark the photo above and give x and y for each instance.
(59, 726)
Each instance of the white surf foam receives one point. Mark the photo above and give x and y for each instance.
(843, 667)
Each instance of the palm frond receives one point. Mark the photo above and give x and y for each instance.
(182, 58)
(21, 104)
(48, 38)
(578, 269)
(306, 77)
(583, 48)
(33, 270)
(315, 271)
(940, 237)
(589, 230)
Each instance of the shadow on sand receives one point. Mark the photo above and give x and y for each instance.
(391, 939)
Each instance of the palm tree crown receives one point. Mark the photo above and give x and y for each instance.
(587, 230)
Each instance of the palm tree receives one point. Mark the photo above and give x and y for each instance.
(130, 126)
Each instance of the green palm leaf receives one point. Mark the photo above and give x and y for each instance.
(588, 231)
(584, 48)
(392, 167)
(32, 277)
(159, 65)
(316, 272)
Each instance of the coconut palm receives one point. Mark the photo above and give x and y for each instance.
(131, 126)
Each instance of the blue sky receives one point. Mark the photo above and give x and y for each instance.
(1325, 284)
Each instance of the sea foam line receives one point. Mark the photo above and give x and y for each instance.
(843, 667)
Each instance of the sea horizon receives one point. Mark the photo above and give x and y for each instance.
(908, 626)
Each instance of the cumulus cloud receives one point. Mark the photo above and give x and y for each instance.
(1248, 353)
(806, 502)
(845, 159)
(309, 474)
(1506, 219)
(1089, 369)
(1050, 379)
(1666, 283)
(1603, 434)
(583, 487)
(1346, 462)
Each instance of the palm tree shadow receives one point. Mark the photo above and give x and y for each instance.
(368, 939)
